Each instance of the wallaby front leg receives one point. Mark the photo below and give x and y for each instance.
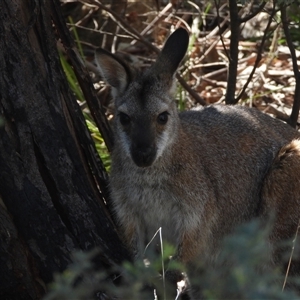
(188, 248)
(131, 238)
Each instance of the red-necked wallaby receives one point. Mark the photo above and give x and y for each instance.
(195, 174)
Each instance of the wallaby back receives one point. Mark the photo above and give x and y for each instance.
(196, 174)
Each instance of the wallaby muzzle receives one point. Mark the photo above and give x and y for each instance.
(143, 155)
(142, 136)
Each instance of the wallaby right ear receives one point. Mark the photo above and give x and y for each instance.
(115, 72)
(172, 53)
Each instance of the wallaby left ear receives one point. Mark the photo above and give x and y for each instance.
(172, 53)
(115, 72)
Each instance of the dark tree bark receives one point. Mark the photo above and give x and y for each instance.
(233, 52)
(51, 181)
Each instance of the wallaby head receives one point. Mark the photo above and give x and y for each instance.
(146, 115)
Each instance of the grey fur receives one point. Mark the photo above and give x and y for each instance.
(207, 170)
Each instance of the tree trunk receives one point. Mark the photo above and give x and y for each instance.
(51, 181)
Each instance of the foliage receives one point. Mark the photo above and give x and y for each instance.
(99, 142)
(71, 77)
(242, 271)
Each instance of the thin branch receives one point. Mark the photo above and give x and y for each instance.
(192, 92)
(125, 26)
(277, 113)
(219, 26)
(296, 105)
(259, 54)
(291, 256)
(131, 31)
(157, 19)
(253, 14)
(233, 52)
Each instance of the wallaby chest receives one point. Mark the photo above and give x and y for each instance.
(148, 197)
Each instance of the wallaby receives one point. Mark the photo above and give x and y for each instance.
(196, 174)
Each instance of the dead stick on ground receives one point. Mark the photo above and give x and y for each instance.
(291, 256)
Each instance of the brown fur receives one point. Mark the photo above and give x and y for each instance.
(196, 174)
(281, 196)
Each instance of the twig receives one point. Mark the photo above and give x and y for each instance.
(125, 26)
(155, 20)
(253, 14)
(193, 93)
(259, 55)
(208, 50)
(140, 38)
(296, 105)
(277, 113)
(291, 256)
(87, 16)
(219, 26)
(214, 73)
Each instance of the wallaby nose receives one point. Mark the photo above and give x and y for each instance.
(143, 155)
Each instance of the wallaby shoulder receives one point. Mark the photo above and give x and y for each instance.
(236, 147)
(238, 120)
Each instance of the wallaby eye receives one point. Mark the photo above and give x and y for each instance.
(162, 118)
(124, 119)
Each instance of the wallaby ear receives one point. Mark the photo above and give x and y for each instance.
(172, 53)
(115, 72)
